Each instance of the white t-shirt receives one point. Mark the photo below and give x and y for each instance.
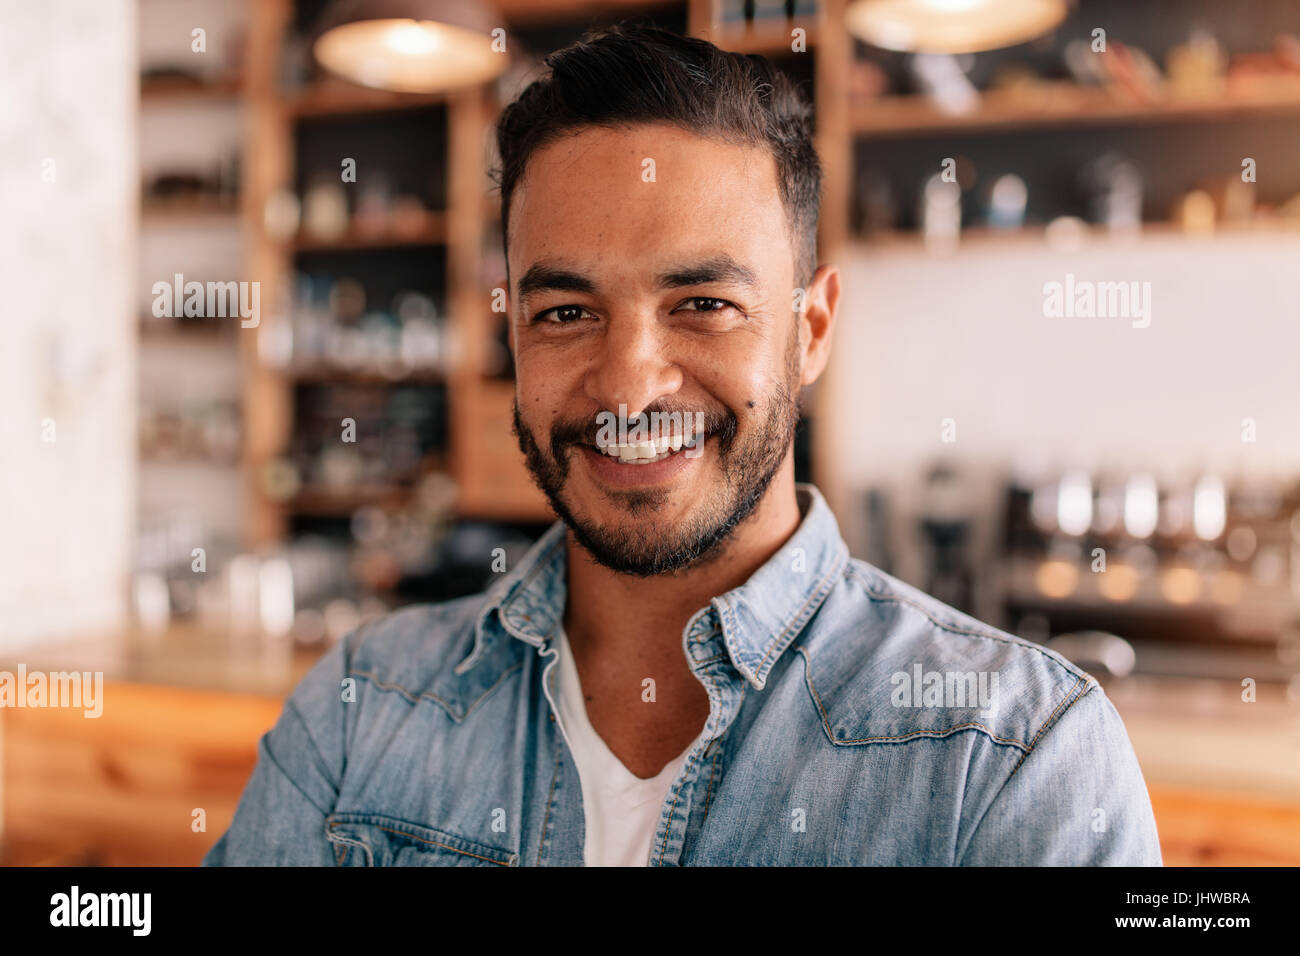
(622, 810)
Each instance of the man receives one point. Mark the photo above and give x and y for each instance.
(688, 669)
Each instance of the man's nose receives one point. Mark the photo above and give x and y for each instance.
(633, 367)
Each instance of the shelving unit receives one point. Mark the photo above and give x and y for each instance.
(456, 232)
(189, 369)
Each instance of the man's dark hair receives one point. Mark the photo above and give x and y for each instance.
(633, 73)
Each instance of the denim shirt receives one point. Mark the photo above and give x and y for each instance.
(853, 720)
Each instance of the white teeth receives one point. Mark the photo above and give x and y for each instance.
(644, 461)
(641, 451)
(645, 452)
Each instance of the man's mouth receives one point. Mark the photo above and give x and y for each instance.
(646, 452)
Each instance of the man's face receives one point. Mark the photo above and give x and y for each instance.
(652, 268)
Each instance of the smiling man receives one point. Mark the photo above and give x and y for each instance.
(688, 668)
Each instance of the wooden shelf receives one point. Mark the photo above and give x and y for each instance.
(342, 99)
(435, 234)
(511, 510)
(323, 501)
(1071, 104)
(326, 375)
(153, 90)
(1036, 233)
(188, 461)
(189, 209)
(522, 12)
(763, 38)
(206, 332)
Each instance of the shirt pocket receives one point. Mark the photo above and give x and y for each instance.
(366, 839)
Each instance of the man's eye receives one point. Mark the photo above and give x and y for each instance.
(707, 304)
(560, 314)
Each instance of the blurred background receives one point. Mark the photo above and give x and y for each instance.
(1063, 394)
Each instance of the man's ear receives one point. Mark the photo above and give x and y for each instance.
(821, 304)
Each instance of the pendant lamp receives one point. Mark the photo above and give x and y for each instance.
(411, 46)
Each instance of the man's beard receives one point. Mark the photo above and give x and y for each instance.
(747, 469)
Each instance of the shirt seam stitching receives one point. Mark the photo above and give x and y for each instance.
(988, 634)
(413, 698)
(555, 776)
(910, 735)
(1070, 699)
(445, 846)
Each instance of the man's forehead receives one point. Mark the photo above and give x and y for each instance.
(642, 170)
(652, 191)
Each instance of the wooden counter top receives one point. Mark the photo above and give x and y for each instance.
(183, 656)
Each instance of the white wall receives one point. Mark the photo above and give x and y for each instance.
(922, 338)
(168, 40)
(68, 94)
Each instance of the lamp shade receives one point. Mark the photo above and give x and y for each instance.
(952, 26)
(411, 46)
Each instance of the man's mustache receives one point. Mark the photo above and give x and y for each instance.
(720, 423)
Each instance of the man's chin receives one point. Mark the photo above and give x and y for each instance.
(625, 524)
(637, 556)
(631, 540)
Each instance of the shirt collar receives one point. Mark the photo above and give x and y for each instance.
(759, 619)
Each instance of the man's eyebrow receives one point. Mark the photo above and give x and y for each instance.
(721, 268)
(542, 277)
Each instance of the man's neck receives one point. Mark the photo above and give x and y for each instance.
(625, 630)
